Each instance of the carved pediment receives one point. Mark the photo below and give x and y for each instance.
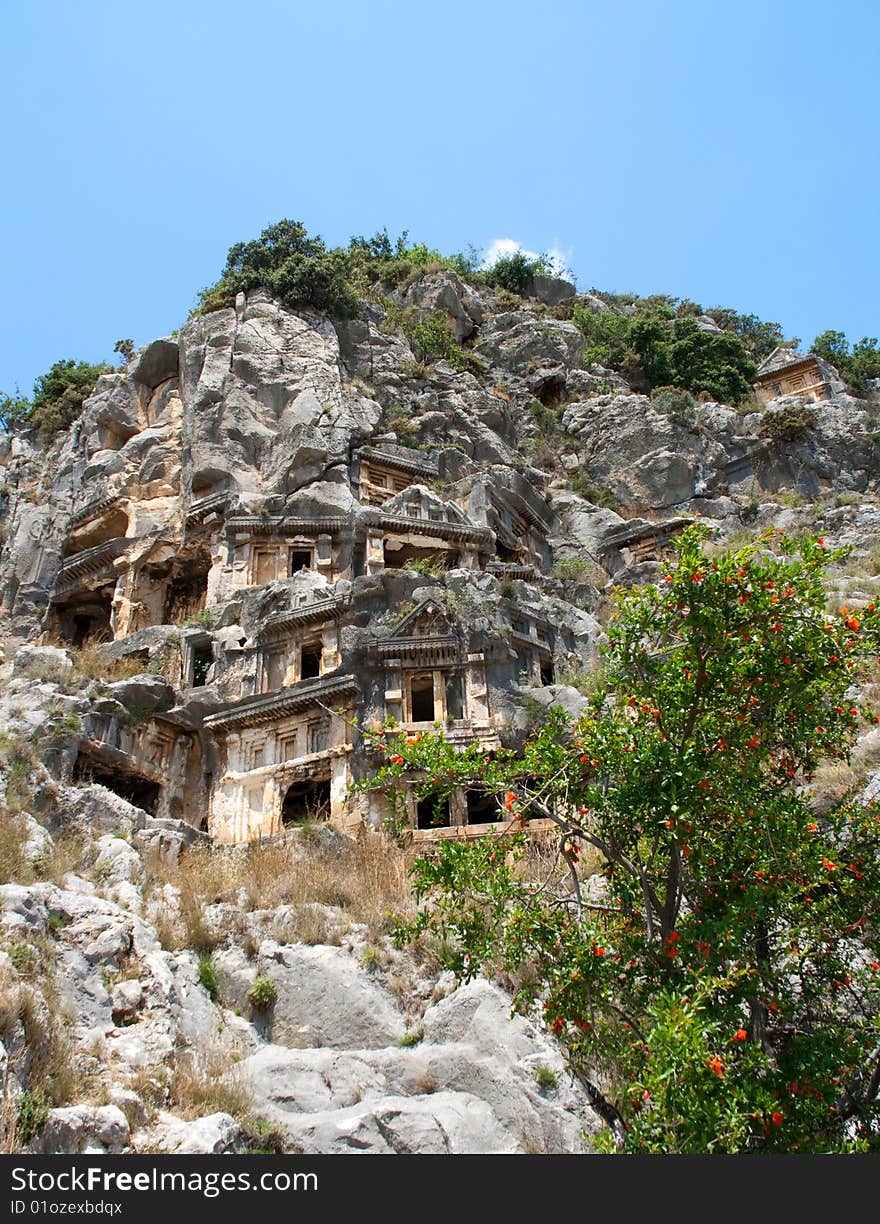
(429, 619)
(419, 502)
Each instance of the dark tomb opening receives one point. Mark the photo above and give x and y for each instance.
(551, 392)
(397, 558)
(185, 595)
(422, 699)
(546, 671)
(142, 792)
(305, 802)
(432, 812)
(300, 559)
(310, 665)
(359, 559)
(482, 808)
(84, 622)
(202, 660)
(454, 702)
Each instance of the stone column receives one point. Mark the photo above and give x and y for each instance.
(476, 697)
(375, 551)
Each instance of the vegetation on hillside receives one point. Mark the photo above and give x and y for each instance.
(652, 341)
(855, 363)
(654, 347)
(57, 399)
(718, 981)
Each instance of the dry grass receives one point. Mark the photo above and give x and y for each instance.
(313, 925)
(203, 1083)
(90, 662)
(367, 879)
(542, 861)
(52, 1077)
(14, 867)
(65, 856)
(834, 781)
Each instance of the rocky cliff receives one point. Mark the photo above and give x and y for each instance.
(260, 536)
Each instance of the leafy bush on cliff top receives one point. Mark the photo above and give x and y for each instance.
(57, 400)
(301, 270)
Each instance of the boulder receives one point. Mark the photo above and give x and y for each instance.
(215, 1134)
(551, 290)
(157, 362)
(126, 1000)
(443, 1124)
(520, 340)
(143, 693)
(82, 1130)
(325, 999)
(443, 291)
(41, 663)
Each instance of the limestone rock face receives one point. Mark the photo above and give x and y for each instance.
(83, 1130)
(513, 341)
(443, 291)
(257, 540)
(469, 1086)
(323, 1000)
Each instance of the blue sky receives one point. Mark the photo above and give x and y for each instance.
(724, 152)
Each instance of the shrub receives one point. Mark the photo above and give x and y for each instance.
(427, 567)
(515, 272)
(431, 340)
(545, 1077)
(855, 364)
(574, 569)
(208, 975)
(59, 396)
(33, 1110)
(652, 348)
(297, 268)
(204, 619)
(592, 492)
(262, 992)
(788, 424)
(678, 405)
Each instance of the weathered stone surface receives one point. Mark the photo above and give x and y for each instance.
(475, 1063)
(125, 1001)
(156, 363)
(440, 1124)
(551, 290)
(41, 663)
(324, 1000)
(443, 291)
(83, 1130)
(143, 693)
(216, 1134)
(512, 341)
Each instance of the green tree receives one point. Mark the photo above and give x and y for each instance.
(14, 411)
(293, 265)
(652, 348)
(57, 400)
(718, 991)
(125, 348)
(60, 394)
(514, 272)
(759, 337)
(856, 364)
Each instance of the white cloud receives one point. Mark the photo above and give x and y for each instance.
(501, 247)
